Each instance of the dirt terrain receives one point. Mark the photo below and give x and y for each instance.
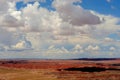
(60, 69)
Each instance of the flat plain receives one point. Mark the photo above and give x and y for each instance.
(60, 69)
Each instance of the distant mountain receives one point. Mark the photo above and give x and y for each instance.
(96, 59)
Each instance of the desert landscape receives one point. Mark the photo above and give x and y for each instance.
(86, 69)
(59, 39)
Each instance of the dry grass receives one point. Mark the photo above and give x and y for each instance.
(25, 74)
(50, 74)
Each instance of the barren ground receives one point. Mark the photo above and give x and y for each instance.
(59, 70)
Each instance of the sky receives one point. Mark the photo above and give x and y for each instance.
(59, 29)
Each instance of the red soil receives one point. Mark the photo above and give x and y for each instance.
(57, 64)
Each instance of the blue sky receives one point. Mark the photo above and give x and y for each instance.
(100, 6)
(47, 4)
(103, 6)
(59, 29)
(106, 7)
